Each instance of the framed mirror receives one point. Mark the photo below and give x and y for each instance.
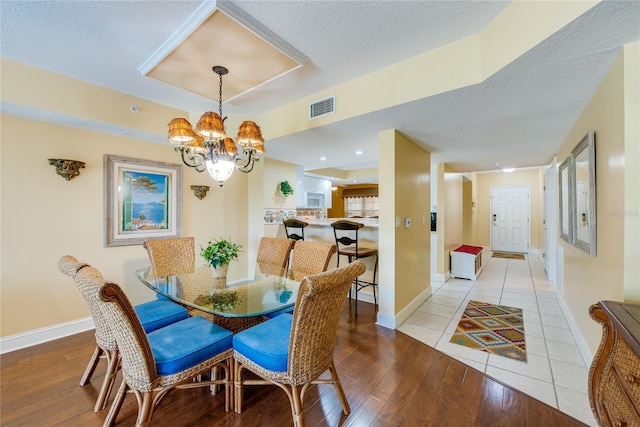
(564, 199)
(584, 206)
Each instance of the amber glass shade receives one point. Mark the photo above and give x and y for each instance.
(249, 136)
(197, 145)
(230, 146)
(180, 131)
(210, 126)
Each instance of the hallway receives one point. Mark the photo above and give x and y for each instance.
(555, 372)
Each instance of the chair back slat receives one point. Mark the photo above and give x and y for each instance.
(315, 321)
(171, 256)
(296, 225)
(310, 258)
(346, 233)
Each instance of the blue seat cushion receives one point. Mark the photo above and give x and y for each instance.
(279, 312)
(267, 344)
(187, 343)
(157, 314)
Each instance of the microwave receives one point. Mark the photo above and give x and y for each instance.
(314, 200)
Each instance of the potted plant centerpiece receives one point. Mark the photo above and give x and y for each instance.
(219, 253)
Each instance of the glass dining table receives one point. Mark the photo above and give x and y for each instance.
(234, 305)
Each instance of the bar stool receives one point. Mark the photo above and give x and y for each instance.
(291, 227)
(346, 235)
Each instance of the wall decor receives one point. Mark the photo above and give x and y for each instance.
(584, 190)
(66, 168)
(143, 200)
(200, 191)
(565, 197)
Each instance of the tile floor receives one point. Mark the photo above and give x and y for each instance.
(555, 372)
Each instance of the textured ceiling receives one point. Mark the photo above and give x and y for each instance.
(518, 117)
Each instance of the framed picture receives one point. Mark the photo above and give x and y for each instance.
(584, 207)
(565, 198)
(143, 200)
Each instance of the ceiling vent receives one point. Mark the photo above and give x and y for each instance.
(322, 107)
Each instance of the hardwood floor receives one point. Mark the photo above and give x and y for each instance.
(390, 379)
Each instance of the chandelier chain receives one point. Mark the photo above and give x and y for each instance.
(220, 96)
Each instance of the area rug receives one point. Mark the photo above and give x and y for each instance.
(507, 255)
(495, 329)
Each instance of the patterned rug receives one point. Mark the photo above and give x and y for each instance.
(507, 255)
(492, 328)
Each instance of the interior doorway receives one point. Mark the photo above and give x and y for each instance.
(510, 219)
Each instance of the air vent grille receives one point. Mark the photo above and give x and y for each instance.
(322, 107)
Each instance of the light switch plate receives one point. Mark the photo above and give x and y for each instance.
(397, 222)
(407, 223)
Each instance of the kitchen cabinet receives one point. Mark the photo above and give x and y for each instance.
(317, 186)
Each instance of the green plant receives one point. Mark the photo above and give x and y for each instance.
(220, 252)
(285, 188)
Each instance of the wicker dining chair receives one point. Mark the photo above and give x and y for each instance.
(153, 315)
(293, 351)
(308, 258)
(294, 228)
(274, 251)
(171, 256)
(169, 358)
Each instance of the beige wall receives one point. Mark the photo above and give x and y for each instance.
(45, 217)
(452, 219)
(588, 279)
(632, 172)
(522, 177)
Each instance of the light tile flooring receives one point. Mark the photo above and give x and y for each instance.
(555, 372)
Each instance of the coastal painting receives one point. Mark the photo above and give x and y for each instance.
(143, 200)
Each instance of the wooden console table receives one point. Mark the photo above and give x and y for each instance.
(614, 377)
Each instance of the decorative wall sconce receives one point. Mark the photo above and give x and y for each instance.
(200, 191)
(67, 168)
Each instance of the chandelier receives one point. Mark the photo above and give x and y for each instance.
(207, 146)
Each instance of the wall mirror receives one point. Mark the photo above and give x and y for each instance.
(564, 199)
(584, 206)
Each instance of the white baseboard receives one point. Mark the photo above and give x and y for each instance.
(42, 335)
(385, 321)
(585, 352)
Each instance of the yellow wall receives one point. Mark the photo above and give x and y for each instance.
(452, 218)
(412, 196)
(588, 279)
(45, 217)
(522, 177)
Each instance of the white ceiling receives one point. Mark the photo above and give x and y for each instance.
(519, 117)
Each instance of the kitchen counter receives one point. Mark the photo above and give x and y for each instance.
(326, 222)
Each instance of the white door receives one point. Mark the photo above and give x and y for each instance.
(510, 219)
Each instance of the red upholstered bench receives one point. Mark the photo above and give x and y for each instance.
(466, 262)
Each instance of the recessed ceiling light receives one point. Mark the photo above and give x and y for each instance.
(498, 164)
(323, 158)
(358, 153)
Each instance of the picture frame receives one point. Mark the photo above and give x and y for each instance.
(565, 200)
(584, 190)
(142, 200)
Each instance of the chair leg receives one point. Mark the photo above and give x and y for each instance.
(116, 405)
(375, 282)
(145, 409)
(91, 367)
(346, 409)
(296, 406)
(237, 378)
(113, 365)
